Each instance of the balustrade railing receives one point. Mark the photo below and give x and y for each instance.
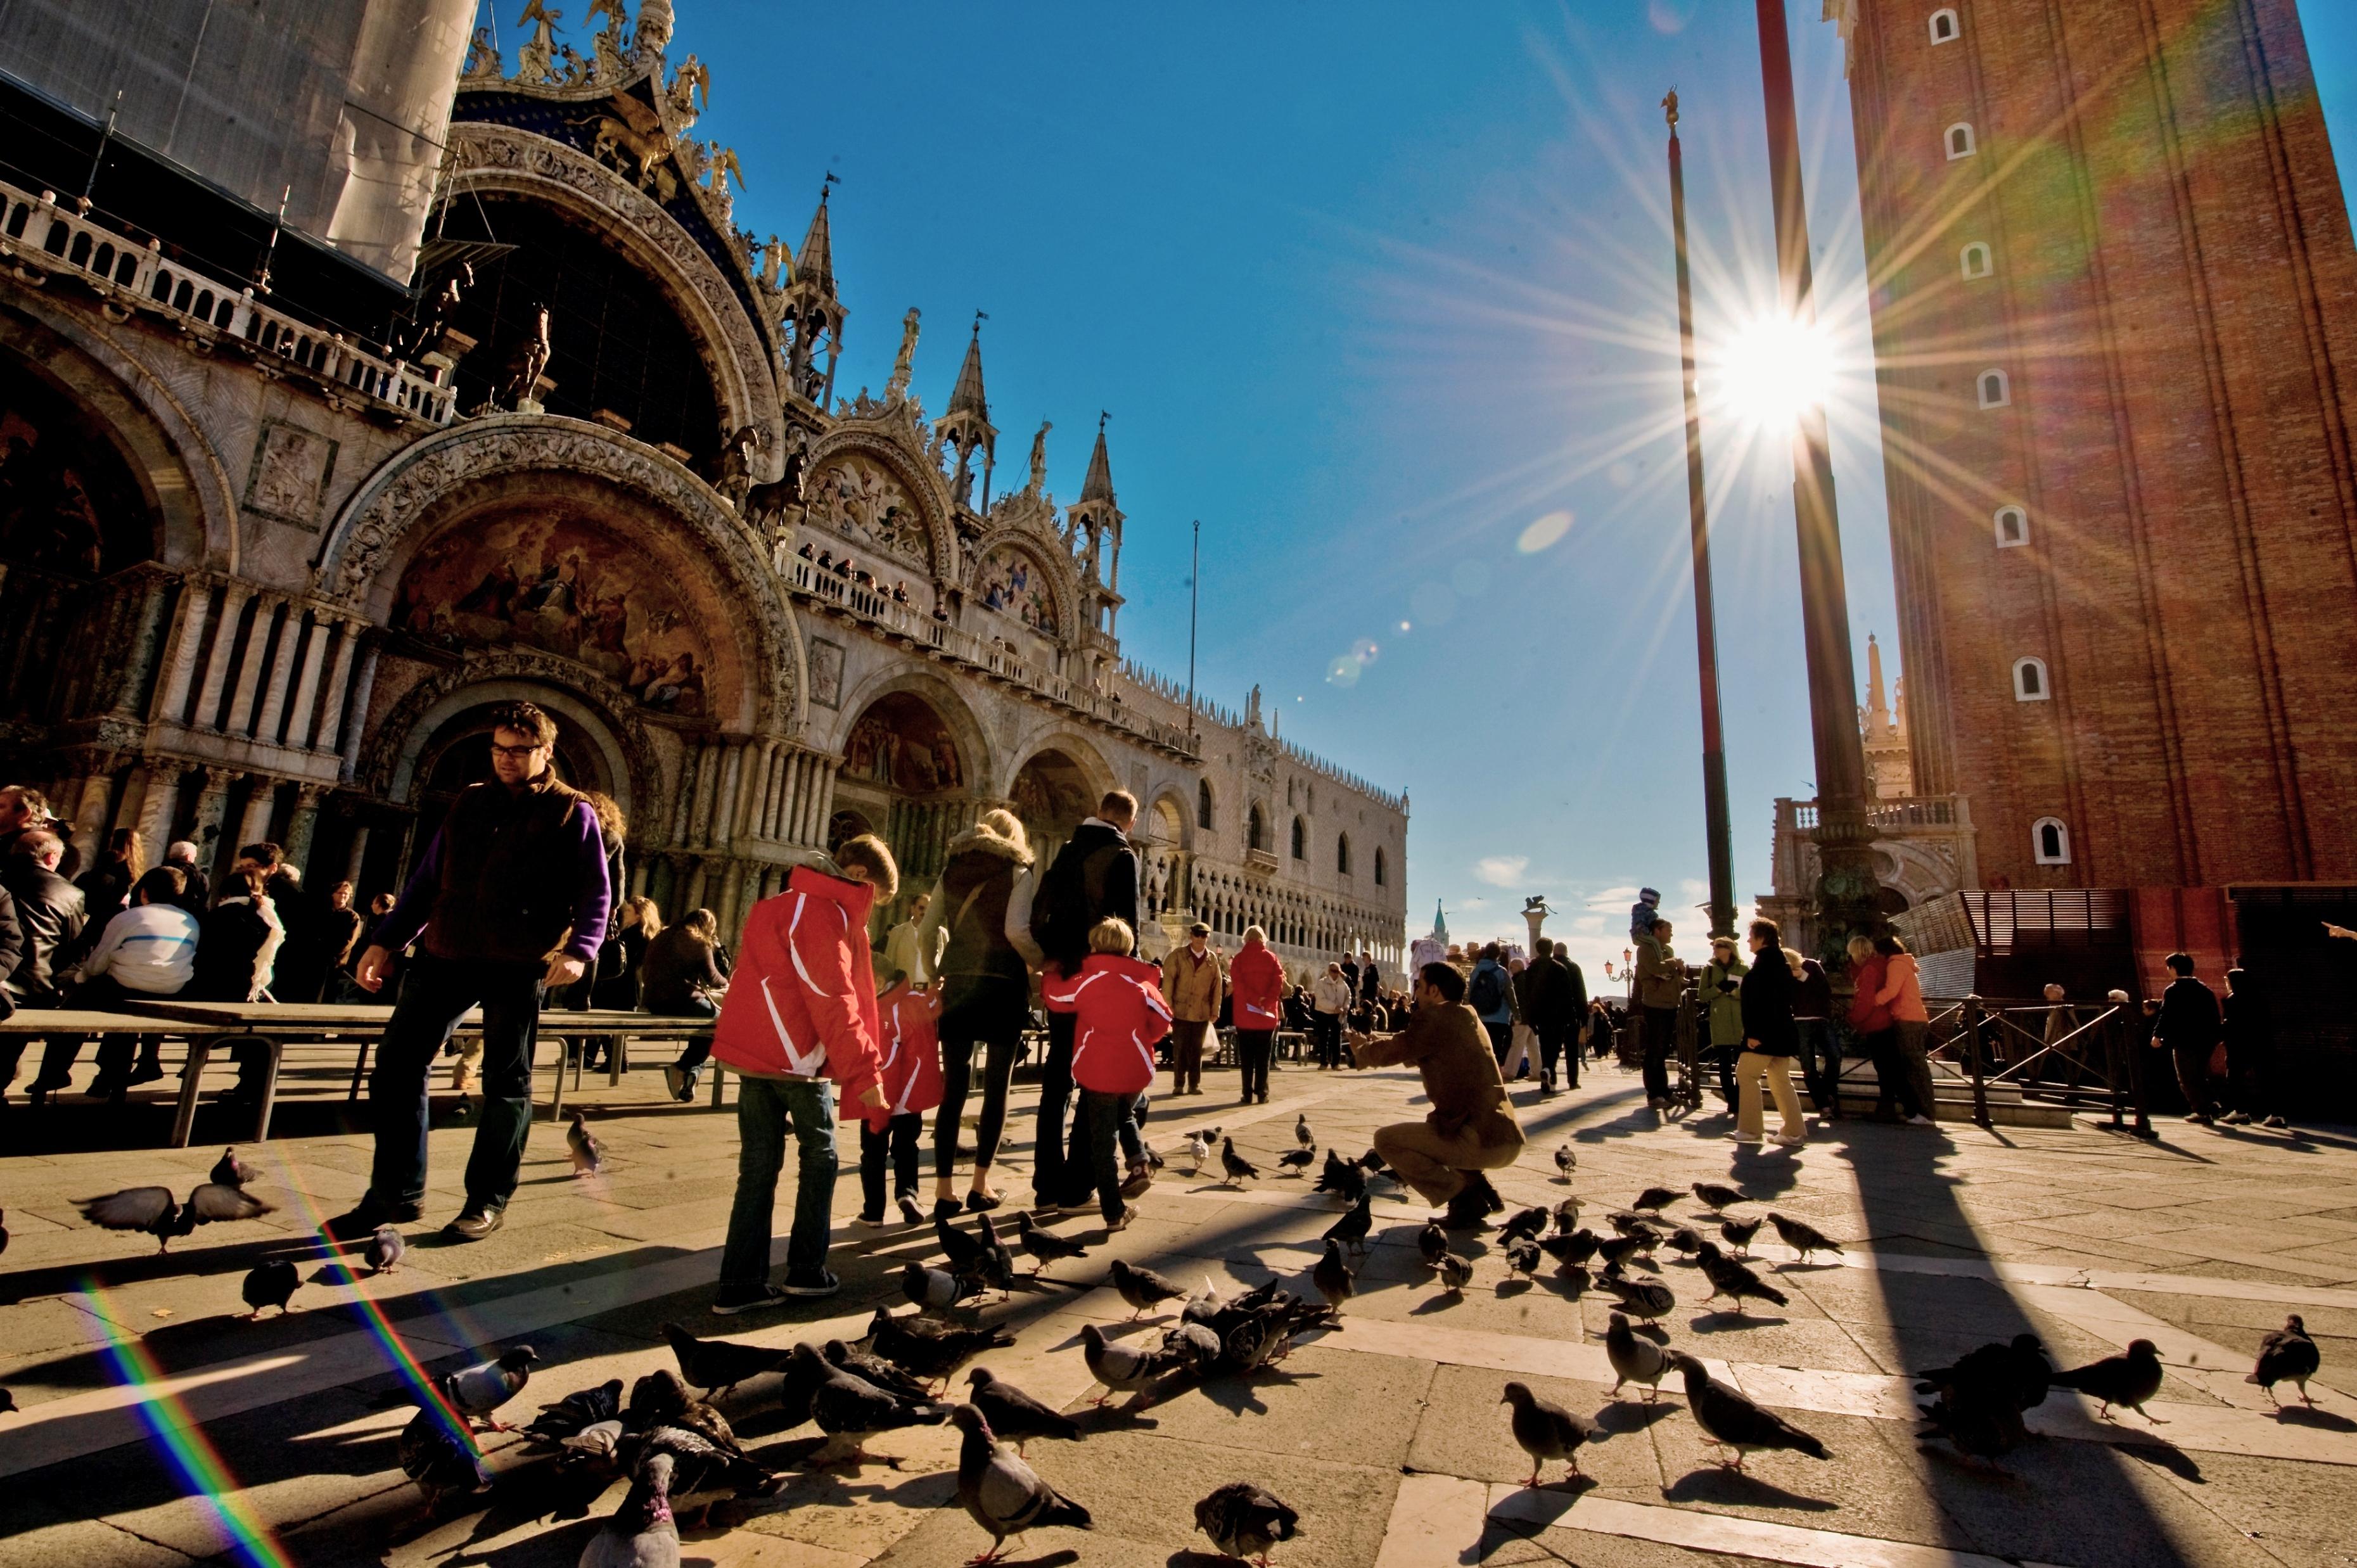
(36, 233)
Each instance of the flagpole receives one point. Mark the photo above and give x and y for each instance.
(1194, 597)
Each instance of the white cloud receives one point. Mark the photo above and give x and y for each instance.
(1501, 870)
(1612, 897)
(1588, 924)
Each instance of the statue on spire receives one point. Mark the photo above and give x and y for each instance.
(1039, 458)
(904, 363)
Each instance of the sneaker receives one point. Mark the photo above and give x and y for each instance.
(910, 1212)
(733, 1300)
(1738, 1136)
(1136, 1182)
(675, 1082)
(361, 1223)
(1788, 1140)
(2236, 1118)
(1920, 1122)
(2275, 1122)
(473, 1224)
(868, 1221)
(1121, 1221)
(821, 1282)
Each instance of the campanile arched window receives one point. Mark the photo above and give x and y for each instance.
(1960, 142)
(1976, 260)
(1945, 29)
(2049, 841)
(2031, 683)
(1996, 389)
(2012, 527)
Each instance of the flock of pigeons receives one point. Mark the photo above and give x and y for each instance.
(669, 1437)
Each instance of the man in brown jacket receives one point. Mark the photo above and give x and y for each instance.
(1471, 1127)
(1193, 982)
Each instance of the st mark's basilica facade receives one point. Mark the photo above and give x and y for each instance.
(261, 576)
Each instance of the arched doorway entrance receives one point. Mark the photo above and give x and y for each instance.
(904, 780)
(1052, 795)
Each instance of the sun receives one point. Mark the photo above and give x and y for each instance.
(1771, 371)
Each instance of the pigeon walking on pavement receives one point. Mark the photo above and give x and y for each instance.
(1198, 1152)
(1245, 1520)
(1730, 1418)
(1003, 1494)
(439, 1459)
(2132, 1380)
(1566, 1162)
(848, 1406)
(932, 1291)
(1014, 1416)
(1545, 1430)
(1646, 1299)
(884, 1374)
(1432, 1244)
(717, 1366)
(928, 1348)
(1572, 1249)
(2286, 1356)
(1566, 1215)
(1238, 1168)
(231, 1171)
(1456, 1273)
(1522, 1256)
(474, 1392)
(383, 1249)
(1977, 1404)
(1804, 1239)
(1716, 1195)
(1043, 1245)
(270, 1284)
(1730, 1278)
(588, 1154)
(1352, 1228)
(1143, 1289)
(1296, 1161)
(1332, 1276)
(641, 1533)
(1122, 1368)
(1634, 1360)
(1655, 1197)
(1531, 1222)
(1301, 1133)
(1345, 1179)
(1739, 1233)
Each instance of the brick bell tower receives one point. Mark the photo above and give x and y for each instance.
(2114, 311)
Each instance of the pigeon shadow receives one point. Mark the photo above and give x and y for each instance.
(1514, 1287)
(2154, 1449)
(1621, 1416)
(1724, 1321)
(1056, 1559)
(2308, 1415)
(1441, 1303)
(1187, 1558)
(1718, 1484)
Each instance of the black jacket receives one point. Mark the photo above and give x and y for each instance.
(678, 967)
(50, 913)
(1093, 875)
(2188, 1019)
(1767, 993)
(2250, 1033)
(230, 944)
(12, 949)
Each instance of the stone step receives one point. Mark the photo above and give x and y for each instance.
(1952, 1101)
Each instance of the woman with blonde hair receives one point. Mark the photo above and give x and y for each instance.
(985, 988)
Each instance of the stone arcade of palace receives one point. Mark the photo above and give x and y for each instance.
(261, 578)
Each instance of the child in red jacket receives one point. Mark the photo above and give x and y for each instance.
(1121, 1017)
(911, 1076)
(799, 1023)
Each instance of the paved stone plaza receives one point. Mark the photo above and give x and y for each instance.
(1388, 1436)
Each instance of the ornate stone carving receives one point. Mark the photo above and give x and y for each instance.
(489, 157)
(483, 68)
(382, 754)
(894, 441)
(400, 495)
(1057, 618)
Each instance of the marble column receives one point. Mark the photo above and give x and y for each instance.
(159, 794)
(212, 802)
(707, 785)
(825, 800)
(332, 712)
(789, 816)
(306, 685)
(216, 659)
(282, 673)
(85, 801)
(196, 613)
(260, 807)
(302, 825)
(357, 858)
(692, 896)
(757, 814)
(354, 710)
(773, 825)
(254, 668)
(720, 832)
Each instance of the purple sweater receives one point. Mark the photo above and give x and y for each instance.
(509, 873)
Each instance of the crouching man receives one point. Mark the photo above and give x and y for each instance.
(1471, 1126)
(799, 1020)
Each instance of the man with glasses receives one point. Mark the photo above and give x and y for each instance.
(517, 872)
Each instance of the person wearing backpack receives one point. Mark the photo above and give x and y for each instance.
(1093, 876)
(1489, 993)
(985, 993)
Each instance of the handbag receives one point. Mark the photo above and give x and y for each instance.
(2218, 1059)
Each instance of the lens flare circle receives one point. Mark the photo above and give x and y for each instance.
(1543, 532)
(1771, 371)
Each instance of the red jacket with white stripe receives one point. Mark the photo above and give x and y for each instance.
(1121, 1016)
(1256, 980)
(911, 1069)
(802, 999)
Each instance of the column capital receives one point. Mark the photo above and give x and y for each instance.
(308, 796)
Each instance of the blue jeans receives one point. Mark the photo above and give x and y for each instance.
(434, 997)
(765, 1106)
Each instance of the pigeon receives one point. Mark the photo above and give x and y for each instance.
(1570, 1251)
(1730, 1278)
(1342, 1178)
(1739, 1233)
(1522, 1256)
(1193, 1347)
(1122, 1368)
(1566, 1215)
(1804, 1239)
(1628, 1224)
(588, 1154)
(931, 1290)
(7, 1402)
(1532, 1222)
(474, 1392)
(1373, 1164)
(929, 1347)
(717, 1366)
(997, 1263)
(700, 1463)
(1301, 1133)
(3, 1231)
(1013, 1414)
(1545, 1430)
(2130, 1380)
(1142, 1288)
(1685, 1239)
(1566, 1162)
(440, 1459)
(2286, 1356)
(1198, 1152)
(661, 1399)
(1043, 1245)
(641, 1533)
(1245, 1520)
(1655, 1198)
(1352, 1228)
(231, 1171)
(1295, 1160)
(1730, 1418)
(1206, 1133)
(848, 1406)
(1641, 1298)
(1979, 1401)
(1332, 1276)
(1238, 1167)
(577, 1413)
(1634, 1360)
(1202, 1306)
(876, 1369)
(151, 1209)
(966, 1255)
(1618, 1250)
(1716, 1196)
(1431, 1241)
(1456, 1273)
(270, 1284)
(1003, 1494)
(383, 1249)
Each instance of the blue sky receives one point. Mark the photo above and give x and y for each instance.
(1382, 294)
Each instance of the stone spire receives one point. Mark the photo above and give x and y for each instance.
(815, 261)
(812, 316)
(1878, 711)
(1098, 485)
(966, 429)
(967, 396)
